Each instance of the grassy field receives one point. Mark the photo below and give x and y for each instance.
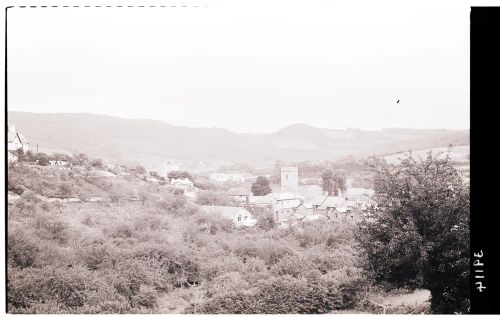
(458, 154)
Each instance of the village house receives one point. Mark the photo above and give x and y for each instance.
(361, 197)
(239, 194)
(57, 163)
(239, 215)
(167, 167)
(11, 157)
(16, 141)
(182, 183)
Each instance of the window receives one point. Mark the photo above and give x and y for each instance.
(239, 217)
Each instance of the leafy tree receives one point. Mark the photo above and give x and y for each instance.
(43, 160)
(333, 182)
(144, 195)
(417, 235)
(80, 159)
(327, 181)
(140, 169)
(261, 186)
(276, 174)
(97, 163)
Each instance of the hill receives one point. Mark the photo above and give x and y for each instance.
(150, 141)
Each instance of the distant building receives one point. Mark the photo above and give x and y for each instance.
(290, 179)
(167, 167)
(360, 197)
(182, 183)
(16, 141)
(57, 163)
(239, 215)
(12, 157)
(239, 194)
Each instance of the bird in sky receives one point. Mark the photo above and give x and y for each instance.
(397, 101)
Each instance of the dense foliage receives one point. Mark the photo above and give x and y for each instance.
(166, 256)
(418, 234)
(333, 182)
(261, 186)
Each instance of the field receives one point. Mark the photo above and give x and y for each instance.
(458, 154)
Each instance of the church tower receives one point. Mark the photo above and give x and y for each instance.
(290, 179)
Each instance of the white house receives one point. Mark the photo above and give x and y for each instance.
(182, 183)
(239, 215)
(58, 163)
(167, 167)
(16, 141)
(12, 157)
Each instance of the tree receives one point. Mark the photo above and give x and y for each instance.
(418, 233)
(261, 186)
(140, 169)
(80, 159)
(276, 174)
(332, 182)
(97, 163)
(327, 182)
(144, 195)
(43, 160)
(339, 178)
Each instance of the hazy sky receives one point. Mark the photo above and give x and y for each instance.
(248, 66)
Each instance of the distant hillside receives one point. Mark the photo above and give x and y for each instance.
(150, 141)
(457, 154)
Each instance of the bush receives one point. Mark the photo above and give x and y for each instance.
(266, 221)
(211, 197)
(22, 251)
(69, 287)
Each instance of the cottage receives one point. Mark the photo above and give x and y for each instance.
(182, 183)
(167, 167)
(239, 194)
(16, 141)
(12, 157)
(361, 197)
(239, 215)
(57, 163)
(261, 201)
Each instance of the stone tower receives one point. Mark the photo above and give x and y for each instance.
(290, 179)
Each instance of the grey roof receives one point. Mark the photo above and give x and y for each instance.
(229, 212)
(238, 191)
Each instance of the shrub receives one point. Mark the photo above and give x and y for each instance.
(52, 229)
(69, 287)
(22, 251)
(212, 197)
(266, 221)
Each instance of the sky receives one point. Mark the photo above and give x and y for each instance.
(248, 66)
